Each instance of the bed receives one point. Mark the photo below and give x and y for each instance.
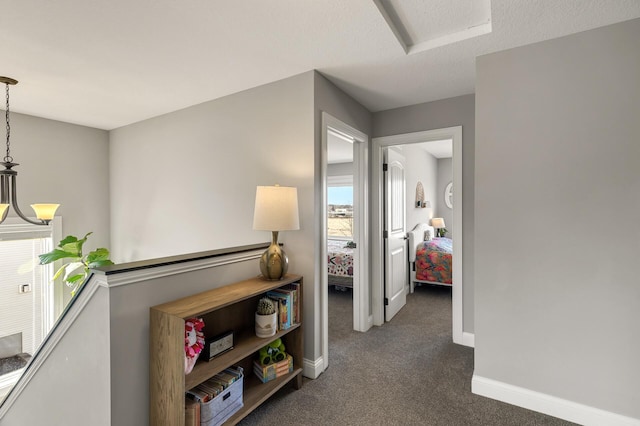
(429, 261)
(340, 264)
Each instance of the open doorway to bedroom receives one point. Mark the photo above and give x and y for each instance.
(429, 218)
(344, 225)
(341, 247)
(430, 225)
(435, 201)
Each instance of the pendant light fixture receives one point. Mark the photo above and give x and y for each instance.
(8, 176)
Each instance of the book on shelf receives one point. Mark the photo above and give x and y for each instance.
(191, 412)
(225, 378)
(214, 386)
(211, 388)
(293, 291)
(284, 307)
(274, 370)
(294, 288)
(198, 395)
(235, 372)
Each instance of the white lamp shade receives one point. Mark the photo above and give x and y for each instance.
(437, 222)
(276, 209)
(45, 211)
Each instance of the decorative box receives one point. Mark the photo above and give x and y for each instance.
(274, 370)
(223, 406)
(217, 345)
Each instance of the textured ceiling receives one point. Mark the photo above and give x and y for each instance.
(108, 64)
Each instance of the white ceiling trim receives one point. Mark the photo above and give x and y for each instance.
(398, 28)
(392, 26)
(340, 135)
(471, 32)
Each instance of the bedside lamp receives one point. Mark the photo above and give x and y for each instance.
(438, 223)
(276, 210)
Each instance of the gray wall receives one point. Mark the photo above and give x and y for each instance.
(559, 144)
(185, 182)
(66, 164)
(419, 166)
(190, 176)
(328, 98)
(459, 111)
(129, 326)
(98, 373)
(71, 387)
(445, 175)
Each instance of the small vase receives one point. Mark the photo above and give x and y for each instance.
(266, 325)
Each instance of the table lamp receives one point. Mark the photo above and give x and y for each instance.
(438, 223)
(276, 210)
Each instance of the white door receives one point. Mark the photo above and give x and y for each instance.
(395, 264)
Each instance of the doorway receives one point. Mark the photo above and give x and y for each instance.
(334, 129)
(377, 202)
(29, 302)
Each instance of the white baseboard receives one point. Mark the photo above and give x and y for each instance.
(469, 339)
(547, 404)
(311, 368)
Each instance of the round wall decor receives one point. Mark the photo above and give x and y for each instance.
(448, 195)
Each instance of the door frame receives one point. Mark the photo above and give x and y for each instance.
(362, 318)
(377, 204)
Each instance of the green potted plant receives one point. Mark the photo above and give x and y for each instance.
(76, 269)
(266, 318)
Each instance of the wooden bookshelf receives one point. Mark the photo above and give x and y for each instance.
(231, 307)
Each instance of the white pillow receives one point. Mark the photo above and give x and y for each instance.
(427, 235)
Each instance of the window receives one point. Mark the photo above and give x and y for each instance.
(340, 207)
(27, 296)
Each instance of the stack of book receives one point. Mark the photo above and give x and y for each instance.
(213, 387)
(288, 298)
(212, 402)
(274, 370)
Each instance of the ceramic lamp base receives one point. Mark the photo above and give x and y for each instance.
(274, 261)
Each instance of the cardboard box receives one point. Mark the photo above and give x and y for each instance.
(273, 370)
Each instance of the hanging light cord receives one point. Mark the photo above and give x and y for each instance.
(8, 195)
(8, 158)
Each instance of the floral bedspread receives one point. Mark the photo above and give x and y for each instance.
(340, 258)
(433, 260)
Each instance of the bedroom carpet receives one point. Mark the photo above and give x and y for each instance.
(407, 372)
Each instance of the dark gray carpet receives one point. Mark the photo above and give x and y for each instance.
(407, 372)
